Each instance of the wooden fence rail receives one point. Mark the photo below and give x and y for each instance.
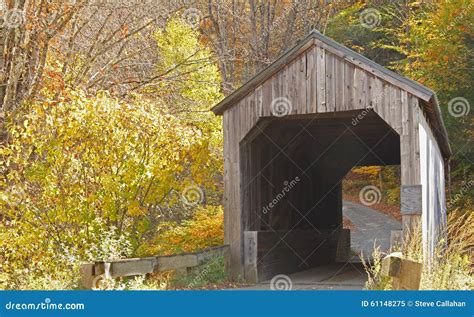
(92, 273)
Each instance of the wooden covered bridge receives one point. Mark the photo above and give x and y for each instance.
(296, 129)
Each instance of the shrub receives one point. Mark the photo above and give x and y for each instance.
(452, 268)
(205, 229)
(83, 171)
(210, 273)
(375, 280)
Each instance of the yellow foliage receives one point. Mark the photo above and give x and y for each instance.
(83, 158)
(371, 171)
(205, 229)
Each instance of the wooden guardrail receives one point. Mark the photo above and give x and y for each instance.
(92, 273)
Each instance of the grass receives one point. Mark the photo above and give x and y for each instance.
(452, 268)
(210, 275)
(373, 268)
(206, 275)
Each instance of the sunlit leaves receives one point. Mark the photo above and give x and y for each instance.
(92, 157)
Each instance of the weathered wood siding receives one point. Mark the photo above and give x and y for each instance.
(433, 195)
(318, 81)
(322, 80)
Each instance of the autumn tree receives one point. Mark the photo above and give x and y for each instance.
(249, 35)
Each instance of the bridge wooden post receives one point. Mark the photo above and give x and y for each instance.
(405, 274)
(411, 207)
(410, 164)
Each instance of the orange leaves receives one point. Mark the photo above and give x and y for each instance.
(205, 229)
(124, 30)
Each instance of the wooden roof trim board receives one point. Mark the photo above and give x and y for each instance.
(317, 39)
(439, 128)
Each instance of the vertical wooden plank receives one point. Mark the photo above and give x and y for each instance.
(301, 104)
(259, 102)
(360, 88)
(275, 93)
(406, 139)
(415, 139)
(405, 119)
(257, 171)
(286, 83)
(236, 203)
(330, 83)
(377, 95)
(370, 91)
(267, 97)
(288, 86)
(246, 190)
(339, 80)
(249, 111)
(250, 255)
(293, 85)
(226, 198)
(281, 83)
(356, 89)
(349, 71)
(253, 109)
(297, 86)
(410, 156)
(386, 103)
(242, 106)
(364, 95)
(311, 102)
(393, 105)
(321, 78)
(232, 190)
(398, 110)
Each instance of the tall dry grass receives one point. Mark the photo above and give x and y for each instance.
(453, 266)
